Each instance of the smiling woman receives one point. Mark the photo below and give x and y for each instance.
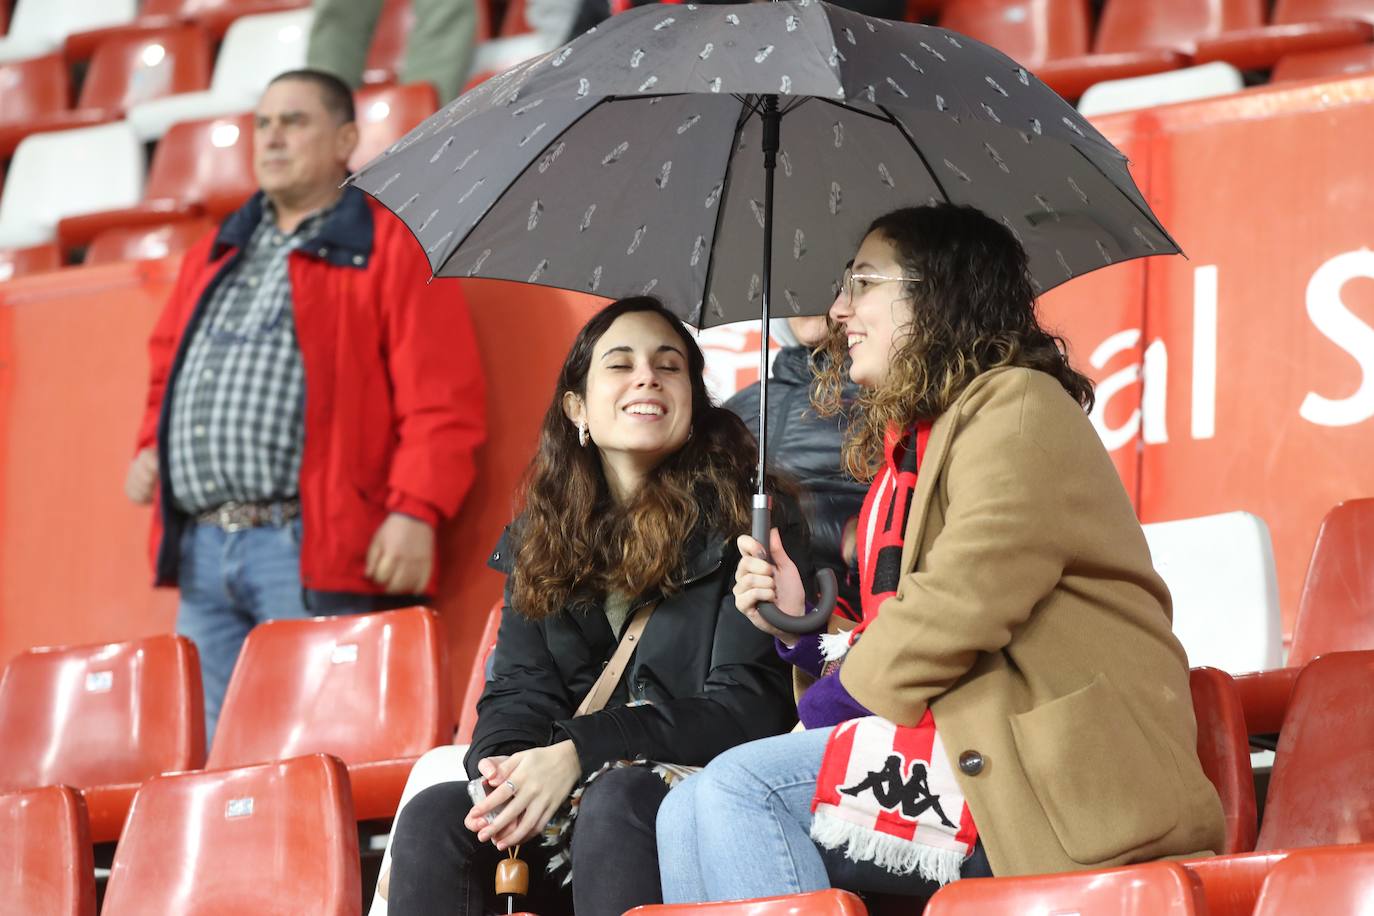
(631, 509)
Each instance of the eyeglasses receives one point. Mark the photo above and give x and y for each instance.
(852, 283)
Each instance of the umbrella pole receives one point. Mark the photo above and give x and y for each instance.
(817, 618)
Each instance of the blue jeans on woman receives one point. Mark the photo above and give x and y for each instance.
(741, 828)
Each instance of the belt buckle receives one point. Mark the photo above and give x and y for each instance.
(225, 519)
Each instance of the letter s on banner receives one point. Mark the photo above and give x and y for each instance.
(1331, 317)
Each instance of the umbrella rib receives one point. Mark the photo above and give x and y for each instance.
(939, 186)
(746, 112)
(1145, 213)
(514, 181)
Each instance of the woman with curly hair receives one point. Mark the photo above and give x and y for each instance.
(1013, 701)
(631, 510)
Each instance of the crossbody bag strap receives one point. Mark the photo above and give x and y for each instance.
(596, 698)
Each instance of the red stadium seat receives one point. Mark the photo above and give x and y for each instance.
(1233, 31)
(147, 243)
(275, 838)
(34, 89)
(386, 114)
(1324, 767)
(1334, 64)
(1223, 746)
(20, 262)
(102, 719)
(1335, 610)
(372, 689)
(477, 677)
(1152, 889)
(1051, 38)
(816, 903)
(1231, 884)
(1332, 879)
(215, 16)
(200, 168)
(513, 22)
(388, 46)
(45, 853)
(1287, 12)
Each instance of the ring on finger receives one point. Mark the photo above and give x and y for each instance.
(510, 785)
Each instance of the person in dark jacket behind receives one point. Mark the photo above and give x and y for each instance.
(633, 501)
(807, 446)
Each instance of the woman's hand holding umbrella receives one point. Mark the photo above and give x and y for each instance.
(757, 580)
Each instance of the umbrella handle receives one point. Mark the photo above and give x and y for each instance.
(814, 620)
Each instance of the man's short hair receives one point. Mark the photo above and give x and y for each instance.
(334, 92)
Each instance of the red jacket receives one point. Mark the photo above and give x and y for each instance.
(394, 395)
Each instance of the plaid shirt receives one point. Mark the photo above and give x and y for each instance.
(238, 406)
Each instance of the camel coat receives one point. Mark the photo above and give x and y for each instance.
(1030, 620)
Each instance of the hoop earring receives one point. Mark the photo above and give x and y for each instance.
(582, 436)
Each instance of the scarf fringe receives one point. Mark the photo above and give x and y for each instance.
(835, 645)
(901, 857)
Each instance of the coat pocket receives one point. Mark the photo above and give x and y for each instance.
(1104, 787)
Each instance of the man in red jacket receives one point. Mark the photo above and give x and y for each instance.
(315, 404)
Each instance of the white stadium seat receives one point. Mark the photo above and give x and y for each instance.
(41, 26)
(1220, 571)
(255, 49)
(66, 173)
(1184, 85)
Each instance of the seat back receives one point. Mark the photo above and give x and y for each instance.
(1231, 884)
(1151, 889)
(816, 903)
(1185, 85)
(101, 715)
(45, 853)
(1220, 572)
(209, 161)
(1324, 766)
(1294, 11)
(33, 88)
(146, 243)
(388, 47)
(1336, 63)
(51, 178)
(20, 262)
(130, 68)
(1336, 609)
(386, 114)
(477, 676)
(257, 48)
(362, 687)
(1224, 749)
(275, 838)
(1129, 25)
(1029, 31)
(51, 21)
(1333, 879)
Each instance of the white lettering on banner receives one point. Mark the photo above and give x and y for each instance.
(1115, 437)
(732, 357)
(1336, 322)
(1204, 352)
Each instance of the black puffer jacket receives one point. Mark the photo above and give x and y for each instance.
(710, 679)
(807, 447)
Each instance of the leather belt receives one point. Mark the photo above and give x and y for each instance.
(237, 516)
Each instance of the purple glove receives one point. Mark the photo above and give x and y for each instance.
(805, 653)
(827, 703)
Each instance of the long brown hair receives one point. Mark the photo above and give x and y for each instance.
(973, 309)
(575, 543)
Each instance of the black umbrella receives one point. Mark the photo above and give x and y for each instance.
(641, 158)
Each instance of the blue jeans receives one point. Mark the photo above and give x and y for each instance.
(232, 581)
(741, 828)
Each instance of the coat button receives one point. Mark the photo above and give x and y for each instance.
(970, 763)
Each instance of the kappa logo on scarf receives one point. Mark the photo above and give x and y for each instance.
(892, 790)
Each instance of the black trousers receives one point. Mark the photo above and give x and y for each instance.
(439, 868)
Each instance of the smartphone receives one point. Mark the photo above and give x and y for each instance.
(477, 791)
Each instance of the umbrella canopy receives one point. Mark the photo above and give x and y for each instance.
(629, 160)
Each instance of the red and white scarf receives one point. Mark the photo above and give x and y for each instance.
(885, 793)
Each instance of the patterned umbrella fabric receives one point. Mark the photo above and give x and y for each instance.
(629, 161)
